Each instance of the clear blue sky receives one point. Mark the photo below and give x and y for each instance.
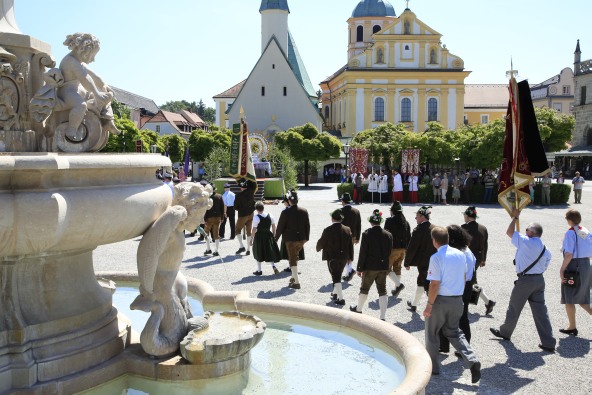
(195, 49)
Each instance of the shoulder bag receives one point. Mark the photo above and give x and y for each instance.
(572, 278)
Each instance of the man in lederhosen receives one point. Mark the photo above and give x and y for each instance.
(213, 218)
(353, 220)
(294, 227)
(244, 204)
(228, 199)
(338, 248)
(399, 228)
(419, 251)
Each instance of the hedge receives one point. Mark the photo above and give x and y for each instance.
(559, 193)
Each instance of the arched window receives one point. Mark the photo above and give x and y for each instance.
(376, 29)
(406, 110)
(327, 115)
(380, 56)
(433, 56)
(588, 135)
(360, 34)
(379, 109)
(406, 27)
(432, 110)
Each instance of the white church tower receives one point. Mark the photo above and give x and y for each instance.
(274, 22)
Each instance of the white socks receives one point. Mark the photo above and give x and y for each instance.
(240, 240)
(249, 243)
(382, 303)
(295, 274)
(484, 297)
(208, 243)
(217, 242)
(396, 279)
(361, 302)
(337, 291)
(418, 294)
(258, 266)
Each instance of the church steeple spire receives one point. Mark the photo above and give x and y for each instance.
(274, 23)
(577, 53)
(274, 5)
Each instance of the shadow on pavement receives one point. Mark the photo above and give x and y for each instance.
(573, 347)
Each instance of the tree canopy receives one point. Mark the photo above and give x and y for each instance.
(201, 143)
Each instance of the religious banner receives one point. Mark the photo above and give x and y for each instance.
(358, 160)
(524, 154)
(410, 161)
(241, 159)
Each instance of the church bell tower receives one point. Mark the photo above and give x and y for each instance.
(274, 22)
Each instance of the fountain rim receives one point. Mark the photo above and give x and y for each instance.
(417, 362)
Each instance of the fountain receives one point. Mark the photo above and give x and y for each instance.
(60, 199)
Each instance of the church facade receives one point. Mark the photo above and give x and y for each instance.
(278, 93)
(397, 71)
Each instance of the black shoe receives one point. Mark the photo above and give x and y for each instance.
(288, 270)
(548, 349)
(444, 350)
(349, 276)
(258, 273)
(476, 372)
(333, 296)
(242, 249)
(458, 354)
(215, 253)
(411, 307)
(569, 331)
(340, 302)
(294, 285)
(201, 238)
(354, 308)
(192, 234)
(489, 307)
(497, 333)
(398, 290)
(207, 252)
(248, 253)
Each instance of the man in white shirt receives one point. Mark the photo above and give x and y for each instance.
(397, 187)
(228, 199)
(447, 274)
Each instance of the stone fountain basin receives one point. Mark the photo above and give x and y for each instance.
(229, 335)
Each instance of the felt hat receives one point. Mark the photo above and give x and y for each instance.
(346, 197)
(337, 214)
(204, 182)
(292, 195)
(425, 211)
(396, 206)
(376, 217)
(471, 211)
(227, 185)
(243, 183)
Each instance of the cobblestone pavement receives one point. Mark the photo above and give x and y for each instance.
(518, 366)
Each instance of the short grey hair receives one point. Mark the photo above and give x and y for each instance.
(536, 228)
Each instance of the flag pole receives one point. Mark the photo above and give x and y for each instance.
(512, 74)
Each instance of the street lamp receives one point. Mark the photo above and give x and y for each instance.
(345, 149)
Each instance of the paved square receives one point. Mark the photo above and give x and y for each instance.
(518, 366)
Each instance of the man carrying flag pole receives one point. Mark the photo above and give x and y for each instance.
(243, 170)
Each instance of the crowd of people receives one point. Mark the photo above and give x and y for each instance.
(447, 259)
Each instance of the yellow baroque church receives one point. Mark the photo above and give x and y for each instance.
(397, 71)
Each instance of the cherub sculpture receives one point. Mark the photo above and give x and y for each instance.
(75, 101)
(163, 289)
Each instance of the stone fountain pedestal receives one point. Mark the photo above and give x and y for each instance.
(55, 209)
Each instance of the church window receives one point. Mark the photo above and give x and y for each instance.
(432, 110)
(406, 27)
(379, 109)
(360, 34)
(433, 56)
(376, 29)
(583, 96)
(406, 47)
(566, 90)
(262, 91)
(406, 110)
(273, 66)
(327, 114)
(484, 119)
(285, 91)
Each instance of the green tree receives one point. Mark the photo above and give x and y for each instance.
(283, 165)
(120, 109)
(556, 128)
(202, 142)
(175, 146)
(125, 141)
(305, 143)
(217, 163)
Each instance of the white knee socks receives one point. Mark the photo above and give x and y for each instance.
(395, 278)
(258, 266)
(484, 297)
(361, 302)
(295, 274)
(240, 240)
(418, 293)
(217, 242)
(249, 243)
(382, 303)
(337, 290)
(208, 243)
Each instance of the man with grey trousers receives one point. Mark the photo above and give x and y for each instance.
(532, 259)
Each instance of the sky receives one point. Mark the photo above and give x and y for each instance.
(195, 49)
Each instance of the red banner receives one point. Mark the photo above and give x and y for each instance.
(359, 160)
(410, 161)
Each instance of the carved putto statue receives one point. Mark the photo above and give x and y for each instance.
(163, 290)
(74, 104)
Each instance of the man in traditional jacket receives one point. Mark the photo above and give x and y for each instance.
(353, 220)
(244, 205)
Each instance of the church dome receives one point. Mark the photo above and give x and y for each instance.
(369, 8)
(274, 5)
